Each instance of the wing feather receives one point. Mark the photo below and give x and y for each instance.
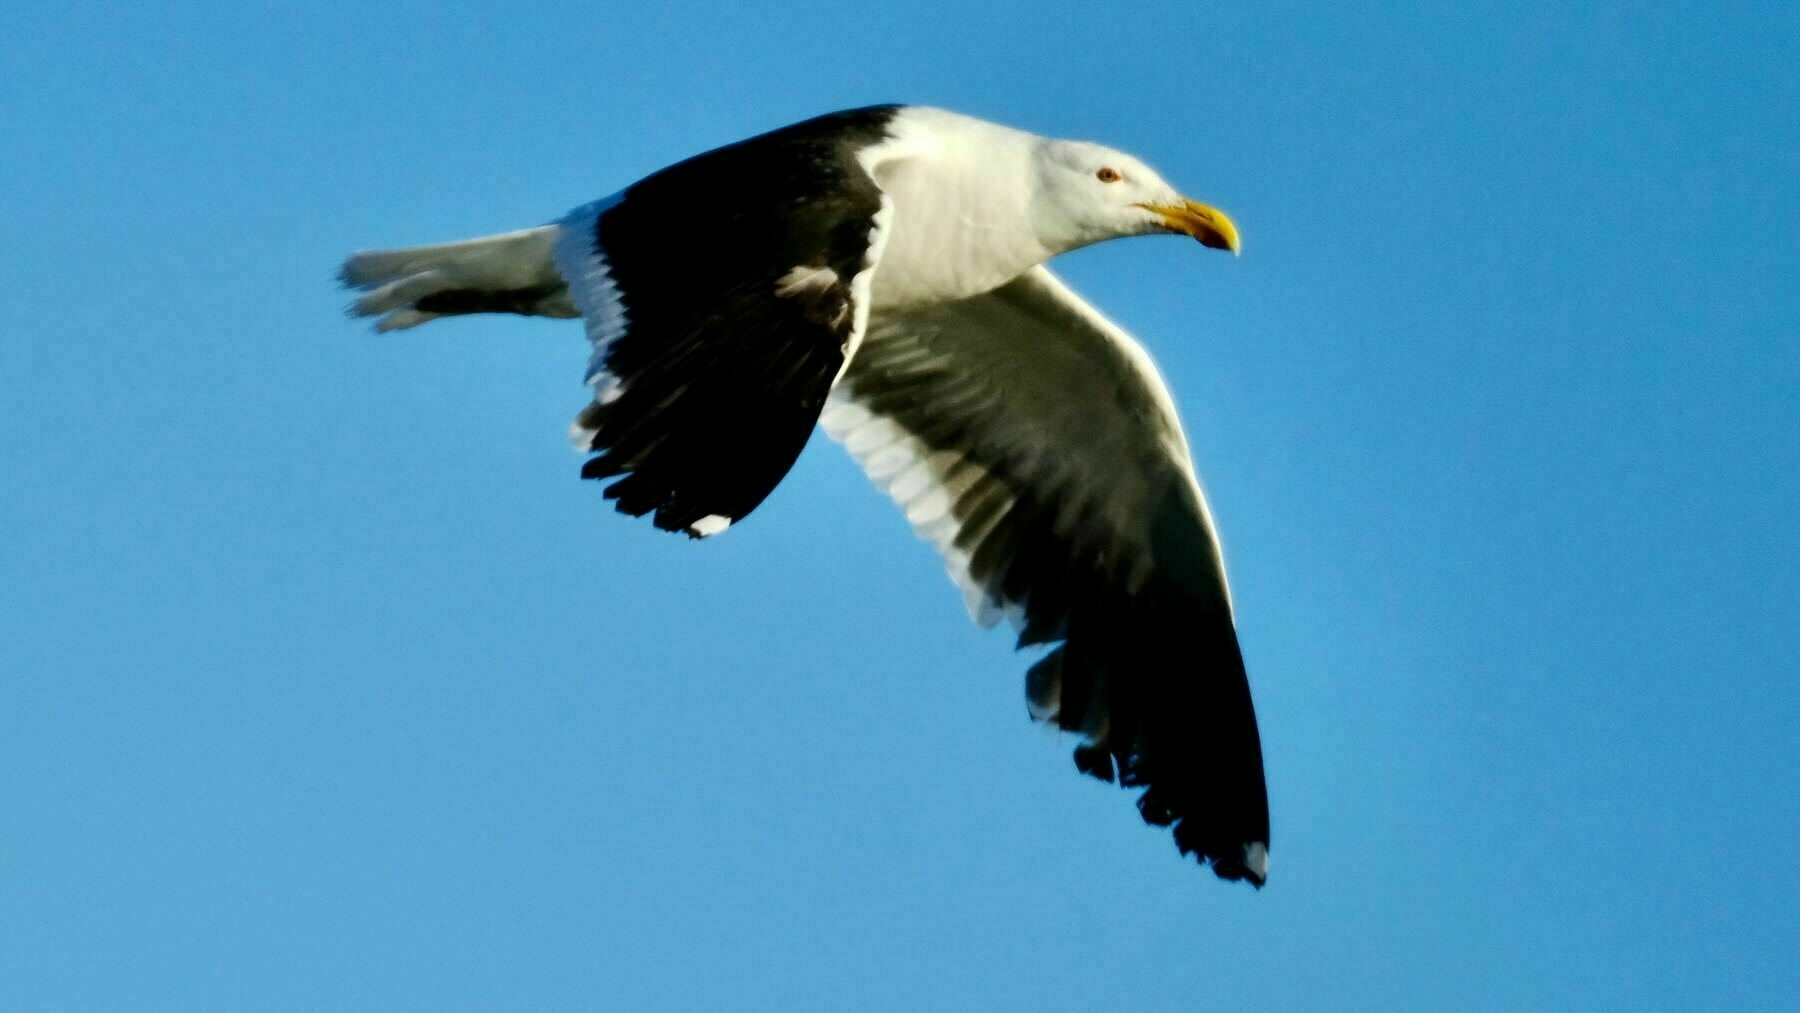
(723, 296)
(1034, 444)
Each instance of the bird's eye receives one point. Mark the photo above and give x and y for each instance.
(1108, 175)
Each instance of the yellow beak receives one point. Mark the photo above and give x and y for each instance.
(1191, 218)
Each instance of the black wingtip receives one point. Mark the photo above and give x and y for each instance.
(1249, 864)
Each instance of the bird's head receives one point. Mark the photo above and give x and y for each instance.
(1087, 193)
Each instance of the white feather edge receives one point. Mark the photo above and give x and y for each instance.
(861, 286)
(581, 259)
(1052, 287)
(924, 484)
(582, 263)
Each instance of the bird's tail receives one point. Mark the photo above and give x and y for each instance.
(511, 272)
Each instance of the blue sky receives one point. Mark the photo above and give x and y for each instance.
(327, 685)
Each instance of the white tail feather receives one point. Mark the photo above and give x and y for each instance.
(510, 262)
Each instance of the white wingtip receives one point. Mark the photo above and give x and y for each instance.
(581, 437)
(1256, 859)
(710, 525)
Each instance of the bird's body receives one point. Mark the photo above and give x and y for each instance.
(879, 273)
(949, 243)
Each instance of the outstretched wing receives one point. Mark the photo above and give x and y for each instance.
(722, 296)
(1033, 443)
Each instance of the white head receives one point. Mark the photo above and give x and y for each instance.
(1087, 193)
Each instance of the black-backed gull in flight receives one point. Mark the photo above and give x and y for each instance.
(880, 273)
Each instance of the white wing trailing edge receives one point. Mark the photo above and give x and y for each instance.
(1033, 444)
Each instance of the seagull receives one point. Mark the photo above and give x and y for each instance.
(879, 273)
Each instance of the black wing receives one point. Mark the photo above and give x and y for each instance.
(722, 296)
(1033, 443)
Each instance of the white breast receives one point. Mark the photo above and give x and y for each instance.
(961, 191)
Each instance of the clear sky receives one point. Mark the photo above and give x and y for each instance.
(326, 684)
